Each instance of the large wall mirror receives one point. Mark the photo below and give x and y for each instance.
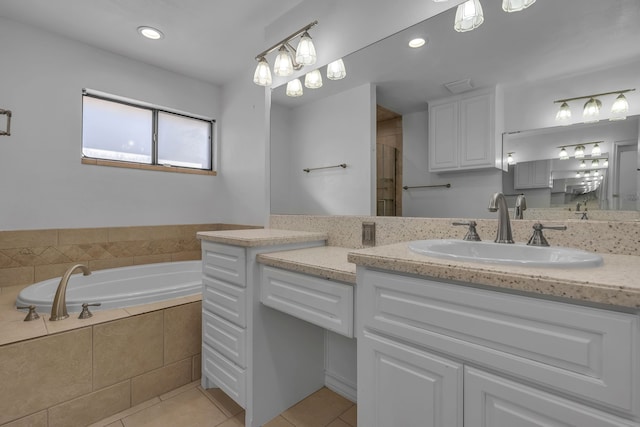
(375, 121)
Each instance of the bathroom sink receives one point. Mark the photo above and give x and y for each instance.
(502, 253)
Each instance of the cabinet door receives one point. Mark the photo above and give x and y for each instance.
(399, 385)
(492, 401)
(535, 174)
(443, 136)
(477, 141)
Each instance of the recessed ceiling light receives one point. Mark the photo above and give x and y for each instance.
(150, 33)
(417, 42)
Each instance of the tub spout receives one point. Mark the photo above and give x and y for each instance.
(59, 307)
(499, 203)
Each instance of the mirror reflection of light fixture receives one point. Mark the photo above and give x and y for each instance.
(294, 88)
(510, 159)
(579, 152)
(578, 175)
(336, 70)
(606, 163)
(620, 108)
(583, 164)
(595, 163)
(516, 5)
(288, 59)
(596, 151)
(563, 154)
(313, 79)
(591, 111)
(469, 16)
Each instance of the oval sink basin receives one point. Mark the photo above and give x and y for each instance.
(502, 253)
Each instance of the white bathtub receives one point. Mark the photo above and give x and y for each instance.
(119, 287)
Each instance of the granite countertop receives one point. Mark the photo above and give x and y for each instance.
(329, 262)
(260, 237)
(615, 283)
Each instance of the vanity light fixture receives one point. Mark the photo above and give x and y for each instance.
(579, 152)
(516, 5)
(591, 109)
(563, 154)
(469, 16)
(596, 151)
(510, 159)
(294, 88)
(150, 32)
(336, 70)
(313, 79)
(289, 59)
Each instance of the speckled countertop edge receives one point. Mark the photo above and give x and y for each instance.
(260, 237)
(614, 283)
(328, 262)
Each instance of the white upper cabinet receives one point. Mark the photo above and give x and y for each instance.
(465, 131)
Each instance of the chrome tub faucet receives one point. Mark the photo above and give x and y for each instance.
(59, 307)
(499, 203)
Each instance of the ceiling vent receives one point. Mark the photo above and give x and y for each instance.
(459, 86)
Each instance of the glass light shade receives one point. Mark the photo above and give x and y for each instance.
(516, 5)
(583, 164)
(591, 112)
(579, 152)
(578, 175)
(306, 51)
(564, 113)
(294, 88)
(620, 108)
(606, 163)
(563, 154)
(596, 151)
(262, 76)
(595, 163)
(336, 70)
(283, 66)
(510, 159)
(596, 173)
(469, 16)
(313, 79)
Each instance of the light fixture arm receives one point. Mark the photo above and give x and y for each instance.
(285, 42)
(595, 95)
(582, 143)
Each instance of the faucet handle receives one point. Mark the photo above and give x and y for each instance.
(85, 314)
(32, 315)
(537, 239)
(472, 234)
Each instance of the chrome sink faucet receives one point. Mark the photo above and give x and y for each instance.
(59, 307)
(499, 203)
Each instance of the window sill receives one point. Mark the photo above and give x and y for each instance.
(174, 169)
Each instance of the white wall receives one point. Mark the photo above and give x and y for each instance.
(333, 130)
(42, 182)
(470, 191)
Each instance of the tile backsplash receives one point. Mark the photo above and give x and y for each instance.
(30, 256)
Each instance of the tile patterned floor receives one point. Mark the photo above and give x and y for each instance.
(191, 406)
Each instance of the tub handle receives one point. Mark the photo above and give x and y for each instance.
(85, 314)
(32, 315)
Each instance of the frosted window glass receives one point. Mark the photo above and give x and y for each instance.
(116, 131)
(184, 141)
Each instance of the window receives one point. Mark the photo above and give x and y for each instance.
(118, 132)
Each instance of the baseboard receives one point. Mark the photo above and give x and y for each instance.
(341, 385)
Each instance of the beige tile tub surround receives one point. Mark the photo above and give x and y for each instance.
(80, 376)
(613, 237)
(30, 256)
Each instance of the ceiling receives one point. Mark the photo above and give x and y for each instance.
(214, 40)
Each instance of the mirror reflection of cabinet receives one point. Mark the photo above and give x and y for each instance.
(462, 132)
(535, 174)
(388, 162)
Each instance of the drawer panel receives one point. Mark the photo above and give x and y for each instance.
(490, 400)
(225, 374)
(225, 300)
(319, 301)
(585, 351)
(225, 337)
(224, 262)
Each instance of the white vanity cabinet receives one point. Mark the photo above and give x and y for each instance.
(432, 353)
(464, 132)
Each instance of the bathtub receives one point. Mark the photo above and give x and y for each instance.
(119, 287)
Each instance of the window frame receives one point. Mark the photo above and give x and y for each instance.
(155, 109)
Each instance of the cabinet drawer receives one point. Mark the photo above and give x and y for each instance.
(492, 401)
(588, 352)
(225, 300)
(319, 301)
(225, 374)
(225, 337)
(224, 262)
